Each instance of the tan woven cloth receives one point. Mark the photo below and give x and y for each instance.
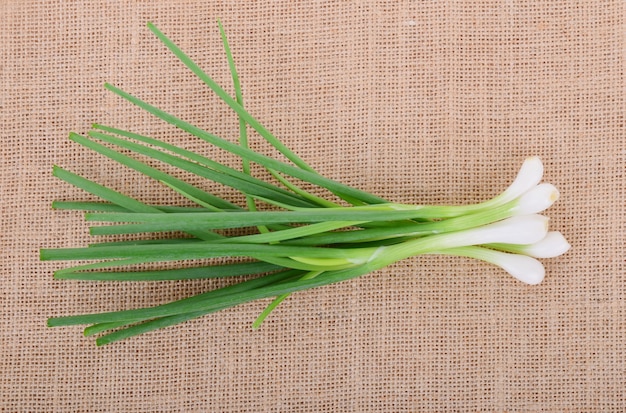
(417, 101)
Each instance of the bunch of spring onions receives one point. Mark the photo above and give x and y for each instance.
(296, 240)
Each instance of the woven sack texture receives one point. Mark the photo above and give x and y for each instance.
(432, 102)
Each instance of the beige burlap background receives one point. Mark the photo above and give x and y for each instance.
(418, 101)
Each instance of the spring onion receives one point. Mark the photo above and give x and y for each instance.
(285, 238)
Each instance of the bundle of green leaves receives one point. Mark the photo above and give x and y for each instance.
(298, 239)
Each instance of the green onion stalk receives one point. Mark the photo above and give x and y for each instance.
(285, 238)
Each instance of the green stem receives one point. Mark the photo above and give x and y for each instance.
(212, 271)
(232, 103)
(162, 322)
(276, 302)
(243, 133)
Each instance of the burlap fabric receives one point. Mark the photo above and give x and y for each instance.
(418, 101)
